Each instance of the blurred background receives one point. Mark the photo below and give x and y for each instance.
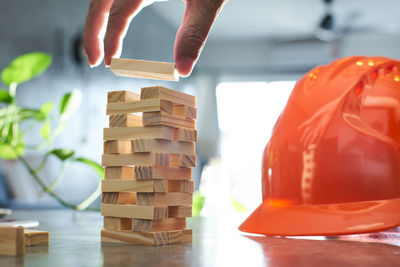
(256, 51)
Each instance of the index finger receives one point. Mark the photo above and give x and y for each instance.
(96, 21)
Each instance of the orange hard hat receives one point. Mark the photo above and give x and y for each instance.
(332, 165)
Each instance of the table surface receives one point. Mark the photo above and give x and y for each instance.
(75, 241)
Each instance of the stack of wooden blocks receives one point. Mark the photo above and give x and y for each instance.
(148, 186)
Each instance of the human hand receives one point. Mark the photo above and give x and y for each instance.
(191, 36)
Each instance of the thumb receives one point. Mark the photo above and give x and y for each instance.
(197, 20)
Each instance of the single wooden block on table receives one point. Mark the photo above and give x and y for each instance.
(147, 186)
(163, 146)
(117, 147)
(119, 172)
(125, 120)
(164, 199)
(162, 118)
(12, 241)
(144, 69)
(118, 197)
(185, 112)
(140, 106)
(122, 96)
(154, 132)
(36, 237)
(134, 211)
(114, 223)
(146, 238)
(160, 172)
(160, 92)
(169, 224)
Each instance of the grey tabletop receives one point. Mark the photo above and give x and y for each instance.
(75, 241)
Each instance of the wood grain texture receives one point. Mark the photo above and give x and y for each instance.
(117, 147)
(134, 211)
(179, 211)
(145, 105)
(114, 223)
(162, 118)
(179, 160)
(144, 69)
(154, 132)
(125, 120)
(119, 172)
(164, 199)
(158, 159)
(147, 186)
(168, 94)
(169, 224)
(163, 146)
(36, 237)
(159, 172)
(122, 96)
(185, 112)
(140, 238)
(135, 186)
(146, 238)
(12, 241)
(118, 197)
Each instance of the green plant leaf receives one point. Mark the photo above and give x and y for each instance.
(45, 131)
(198, 203)
(5, 97)
(237, 206)
(94, 165)
(62, 153)
(25, 67)
(10, 152)
(69, 103)
(46, 108)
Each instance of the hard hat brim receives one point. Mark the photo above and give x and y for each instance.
(325, 220)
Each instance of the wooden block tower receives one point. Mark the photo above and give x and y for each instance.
(148, 186)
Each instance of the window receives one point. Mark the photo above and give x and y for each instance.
(247, 112)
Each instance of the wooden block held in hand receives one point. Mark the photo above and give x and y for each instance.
(168, 224)
(168, 94)
(179, 211)
(154, 132)
(117, 147)
(162, 118)
(163, 146)
(119, 172)
(125, 120)
(159, 172)
(161, 199)
(185, 112)
(122, 96)
(36, 237)
(144, 69)
(134, 211)
(12, 241)
(114, 223)
(118, 197)
(140, 106)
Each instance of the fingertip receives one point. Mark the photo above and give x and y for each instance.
(184, 66)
